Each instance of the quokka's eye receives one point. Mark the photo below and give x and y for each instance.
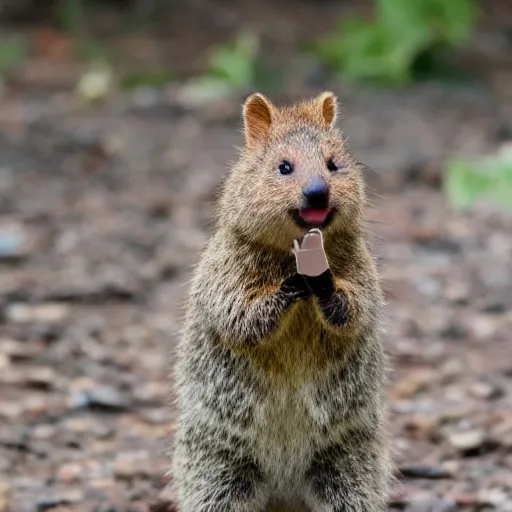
(331, 165)
(286, 167)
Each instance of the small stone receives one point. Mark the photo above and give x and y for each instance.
(19, 351)
(482, 327)
(44, 313)
(69, 473)
(484, 390)
(451, 466)
(13, 241)
(457, 293)
(492, 497)
(35, 405)
(5, 496)
(104, 397)
(50, 502)
(157, 416)
(131, 464)
(43, 432)
(166, 500)
(431, 504)
(151, 392)
(42, 378)
(429, 472)
(10, 409)
(413, 383)
(5, 361)
(467, 440)
(421, 425)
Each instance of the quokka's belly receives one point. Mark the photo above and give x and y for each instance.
(286, 438)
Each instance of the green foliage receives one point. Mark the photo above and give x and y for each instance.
(13, 53)
(71, 14)
(466, 182)
(234, 66)
(388, 49)
(156, 79)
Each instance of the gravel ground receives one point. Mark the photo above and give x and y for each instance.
(104, 210)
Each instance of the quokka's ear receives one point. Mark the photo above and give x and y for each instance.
(257, 119)
(328, 104)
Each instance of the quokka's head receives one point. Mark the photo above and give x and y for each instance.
(293, 174)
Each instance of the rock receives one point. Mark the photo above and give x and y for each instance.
(492, 497)
(431, 504)
(43, 432)
(5, 496)
(151, 393)
(413, 383)
(484, 390)
(157, 416)
(43, 377)
(51, 501)
(44, 313)
(429, 472)
(457, 292)
(5, 361)
(104, 397)
(14, 241)
(69, 473)
(19, 351)
(132, 464)
(96, 83)
(35, 405)
(467, 440)
(421, 425)
(165, 502)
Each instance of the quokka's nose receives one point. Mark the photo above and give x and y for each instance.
(316, 193)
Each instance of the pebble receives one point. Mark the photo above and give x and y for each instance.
(43, 432)
(50, 502)
(10, 409)
(484, 390)
(5, 496)
(493, 497)
(69, 473)
(13, 241)
(157, 416)
(131, 464)
(467, 440)
(429, 472)
(5, 361)
(104, 397)
(431, 504)
(165, 502)
(42, 378)
(44, 313)
(414, 382)
(421, 425)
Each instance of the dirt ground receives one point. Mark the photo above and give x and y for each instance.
(103, 211)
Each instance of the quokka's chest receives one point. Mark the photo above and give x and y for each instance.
(301, 349)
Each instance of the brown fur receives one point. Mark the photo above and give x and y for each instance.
(276, 401)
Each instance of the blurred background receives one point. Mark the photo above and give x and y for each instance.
(117, 122)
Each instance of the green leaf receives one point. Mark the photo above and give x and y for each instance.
(466, 182)
(387, 49)
(235, 63)
(13, 54)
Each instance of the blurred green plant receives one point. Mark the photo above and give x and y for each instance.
(13, 53)
(406, 36)
(233, 66)
(71, 15)
(466, 182)
(154, 79)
